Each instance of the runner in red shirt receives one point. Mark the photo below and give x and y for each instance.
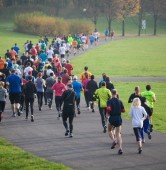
(69, 67)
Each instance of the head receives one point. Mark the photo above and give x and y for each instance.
(148, 87)
(103, 84)
(137, 90)
(51, 74)
(39, 74)
(59, 79)
(104, 76)
(49, 67)
(75, 78)
(86, 68)
(136, 102)
(1, 84)
(69, 86)
(92, 77)
(114, 93)
(13, 71)
(29, 78)
(67, 61)
(29, 72)
(107, 79)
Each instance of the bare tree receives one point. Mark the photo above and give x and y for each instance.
(111, 10)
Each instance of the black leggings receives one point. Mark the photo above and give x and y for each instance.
(137, 132)
(40, 98)
(71, 117)
(27, 102)
(58, 102)
(78, 102)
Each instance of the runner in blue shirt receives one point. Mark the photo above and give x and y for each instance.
(14, 83)
(77, 86)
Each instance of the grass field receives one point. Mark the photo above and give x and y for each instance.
(159, 116)
(129, 57)
(14, 158)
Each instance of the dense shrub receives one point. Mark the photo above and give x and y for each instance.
(39, 24)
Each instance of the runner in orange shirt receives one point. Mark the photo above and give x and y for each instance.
(13, 53)
(2, 63)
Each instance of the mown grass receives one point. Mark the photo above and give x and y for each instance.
(125, 89)
(128, 57)
(14, 158)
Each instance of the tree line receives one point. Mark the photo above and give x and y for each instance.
(111, 9)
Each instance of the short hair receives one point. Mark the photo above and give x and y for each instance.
(137, 88)
(107, 79)
(114, 92)
(86, 68)
(103, 83)
(70, 85)
(136, 102)
(148, 87)
(49, 67)
(51, 74)
(29, 77)
(13, 71)
(92, 77)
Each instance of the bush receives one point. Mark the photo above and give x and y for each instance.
(38, 23)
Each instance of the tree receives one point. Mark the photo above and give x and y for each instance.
(157, 8)
(91, 9)
(111, 10)
(129, 8)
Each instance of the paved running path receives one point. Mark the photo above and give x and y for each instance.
(89, 149)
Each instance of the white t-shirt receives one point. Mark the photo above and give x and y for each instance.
(50, 53)
(96, 35)
(62, 50)
(138, 115)
(83, 39)
(27, 69)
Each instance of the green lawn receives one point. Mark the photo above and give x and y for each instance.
(159, 116)
(128, 57)
(14, 158)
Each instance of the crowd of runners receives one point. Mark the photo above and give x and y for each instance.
(44, 70)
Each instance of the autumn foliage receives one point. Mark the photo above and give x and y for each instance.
(38, 24)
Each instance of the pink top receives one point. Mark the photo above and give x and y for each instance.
(59, 88)
(84, 83)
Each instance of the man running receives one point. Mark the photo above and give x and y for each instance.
(68, 98)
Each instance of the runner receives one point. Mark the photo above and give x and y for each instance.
(40, 83)
(135, 94)
(82, 76)
(138, 114)
(3, 95)
(49, 83)
(91, 87)
(103, 94)
(59, 88)
(115, 108)
(14, 83)
(68, 97)
(29, 91)
(77, 86)
(69, 67)
(150, 97)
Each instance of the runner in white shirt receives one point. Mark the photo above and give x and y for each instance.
(27, 69)
(50, 53)
(62, 51)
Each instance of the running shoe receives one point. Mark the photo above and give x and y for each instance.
(93, 110)
(120, 152)
(18, 112)
(78, 111)
(139, 150)
(14, 115)
(113, 145)
(67, 133)
(70, 135)
(149, 136)
(32, 118)
(143, 140)
(105, 129)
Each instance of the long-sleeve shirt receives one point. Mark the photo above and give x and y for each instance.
(29, 89)
(138, 115)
